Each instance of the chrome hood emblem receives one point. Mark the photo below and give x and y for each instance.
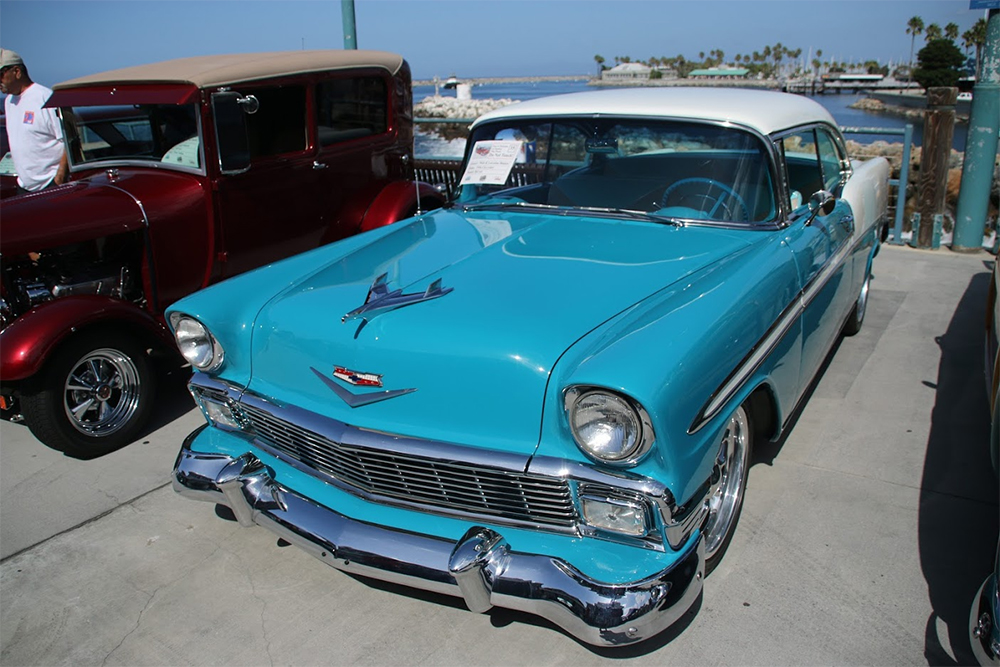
(360, 379)
(356, 378)
(380, 299)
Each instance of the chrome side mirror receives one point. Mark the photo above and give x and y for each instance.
(821, 202)
(250, 104)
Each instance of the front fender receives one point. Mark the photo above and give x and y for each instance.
(674, 351)
(397, 201)
(27, 344)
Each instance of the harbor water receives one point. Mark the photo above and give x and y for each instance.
(430, 144)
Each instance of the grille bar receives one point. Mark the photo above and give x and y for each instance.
(449, 486)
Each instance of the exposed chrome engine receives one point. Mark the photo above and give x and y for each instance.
(53, 274)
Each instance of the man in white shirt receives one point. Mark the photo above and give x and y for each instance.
(34, 132)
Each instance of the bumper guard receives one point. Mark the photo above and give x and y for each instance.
(480, 568)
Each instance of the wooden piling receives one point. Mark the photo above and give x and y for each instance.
(939, 129)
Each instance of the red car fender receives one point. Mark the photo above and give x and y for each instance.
(398, 200)
(27, 343)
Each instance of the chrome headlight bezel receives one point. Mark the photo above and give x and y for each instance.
(196, 343)
(578, 398)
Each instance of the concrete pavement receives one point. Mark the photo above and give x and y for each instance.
(864, 536)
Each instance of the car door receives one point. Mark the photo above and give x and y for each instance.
(358, 153)
(820, 245)
(272, 210)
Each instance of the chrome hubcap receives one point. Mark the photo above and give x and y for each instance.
(726, 491)
(863, 298)
(101, 392)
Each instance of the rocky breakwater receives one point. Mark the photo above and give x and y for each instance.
(450, 108)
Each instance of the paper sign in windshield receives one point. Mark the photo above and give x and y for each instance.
(491, 162)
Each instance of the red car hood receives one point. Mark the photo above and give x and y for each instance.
(71, 213)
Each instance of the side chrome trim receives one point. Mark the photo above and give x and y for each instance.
(760, 351)
(481, 568)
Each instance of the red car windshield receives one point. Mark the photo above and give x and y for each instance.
(161, 133)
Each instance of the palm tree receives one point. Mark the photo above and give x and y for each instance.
(599, 59)
(933, 32)
(951, 31)
(914, 27)
(976, 36)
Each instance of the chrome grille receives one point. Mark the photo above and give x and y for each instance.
(446, 485)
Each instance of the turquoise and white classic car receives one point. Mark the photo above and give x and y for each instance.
(544, 396)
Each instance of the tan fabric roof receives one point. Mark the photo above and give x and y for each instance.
(210, 71)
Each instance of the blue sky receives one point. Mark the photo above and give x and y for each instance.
(60, 40)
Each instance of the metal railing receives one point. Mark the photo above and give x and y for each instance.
(904, 171)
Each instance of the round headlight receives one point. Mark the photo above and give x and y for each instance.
(196, 343)
(605, 426)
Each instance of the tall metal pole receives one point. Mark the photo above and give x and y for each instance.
(981, 146)
(350, 28)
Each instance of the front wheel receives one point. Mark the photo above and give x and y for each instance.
(93, 397)
(857, 316)
(727, 487)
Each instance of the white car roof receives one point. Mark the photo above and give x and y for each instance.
(762, 110)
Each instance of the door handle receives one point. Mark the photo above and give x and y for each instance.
(319, 165)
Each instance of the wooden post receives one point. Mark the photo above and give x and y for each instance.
(939, 128)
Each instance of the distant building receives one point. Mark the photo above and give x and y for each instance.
(637, 72)
(627, 72)
(720, 73)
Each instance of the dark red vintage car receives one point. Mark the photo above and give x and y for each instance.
(184, 173)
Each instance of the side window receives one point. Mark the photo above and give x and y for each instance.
(349, 109)
(829, 158)
(279, 125)
(804, 174)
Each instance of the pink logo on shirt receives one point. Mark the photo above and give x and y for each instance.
(29, 117)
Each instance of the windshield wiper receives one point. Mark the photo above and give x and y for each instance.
(588, 211)
(632, 215)
(494, 205)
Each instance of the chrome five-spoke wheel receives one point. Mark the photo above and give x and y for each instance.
(102, 392)
(727, 486)
(93, 397)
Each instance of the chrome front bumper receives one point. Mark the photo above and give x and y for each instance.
(480, 568)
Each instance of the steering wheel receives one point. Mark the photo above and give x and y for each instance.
(706, 195)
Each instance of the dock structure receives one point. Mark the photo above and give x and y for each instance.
(854, 85)
(500, 80)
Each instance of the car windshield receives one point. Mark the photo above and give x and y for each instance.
(675, 170)
(164, 133)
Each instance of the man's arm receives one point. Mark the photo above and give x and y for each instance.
(63, 170)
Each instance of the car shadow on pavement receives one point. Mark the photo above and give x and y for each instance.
(500, 617)
(957, 531)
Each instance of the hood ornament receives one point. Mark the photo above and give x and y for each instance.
(380, 299)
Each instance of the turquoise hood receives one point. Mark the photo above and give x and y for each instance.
(523, 288)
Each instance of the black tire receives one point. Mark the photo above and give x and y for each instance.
(94, 396)
(728, 486)
(857, 316)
